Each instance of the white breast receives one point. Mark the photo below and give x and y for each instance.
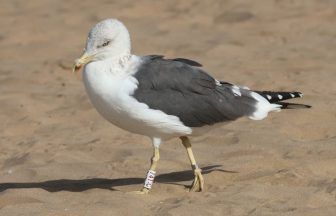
(110, 88)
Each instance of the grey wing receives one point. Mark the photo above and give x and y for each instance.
(177, 88)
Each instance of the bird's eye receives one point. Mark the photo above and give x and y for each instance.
(105, 43)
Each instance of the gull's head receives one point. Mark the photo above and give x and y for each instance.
(107, 39)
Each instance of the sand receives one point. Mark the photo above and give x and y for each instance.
(60, 158)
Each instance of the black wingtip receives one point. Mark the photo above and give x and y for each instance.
(274, 97)
(293, 105)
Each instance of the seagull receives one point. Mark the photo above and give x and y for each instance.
(164, 98)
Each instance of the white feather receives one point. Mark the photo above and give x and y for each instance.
(263, 107)
(111, 94)
(236, 91)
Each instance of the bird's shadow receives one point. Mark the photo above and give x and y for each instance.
(109, 184)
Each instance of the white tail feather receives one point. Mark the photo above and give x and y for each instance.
(263, 107)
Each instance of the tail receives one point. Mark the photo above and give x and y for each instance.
(278, 97)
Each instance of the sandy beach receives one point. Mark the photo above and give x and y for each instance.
(59, 157)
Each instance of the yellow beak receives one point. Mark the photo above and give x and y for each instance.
(83, 60)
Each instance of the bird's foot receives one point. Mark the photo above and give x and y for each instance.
(198, 183)
(140, 192)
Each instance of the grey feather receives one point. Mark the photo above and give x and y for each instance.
(180, 89)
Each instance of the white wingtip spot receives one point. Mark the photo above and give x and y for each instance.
(292, 95)
(269, 97)
(280, 97)
(301, 95)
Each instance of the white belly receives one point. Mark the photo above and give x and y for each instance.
(111, 95)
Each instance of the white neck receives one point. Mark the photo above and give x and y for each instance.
(115, 65)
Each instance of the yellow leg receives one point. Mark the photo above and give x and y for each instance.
(151, 172)
(198, 183)
(154, 161)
